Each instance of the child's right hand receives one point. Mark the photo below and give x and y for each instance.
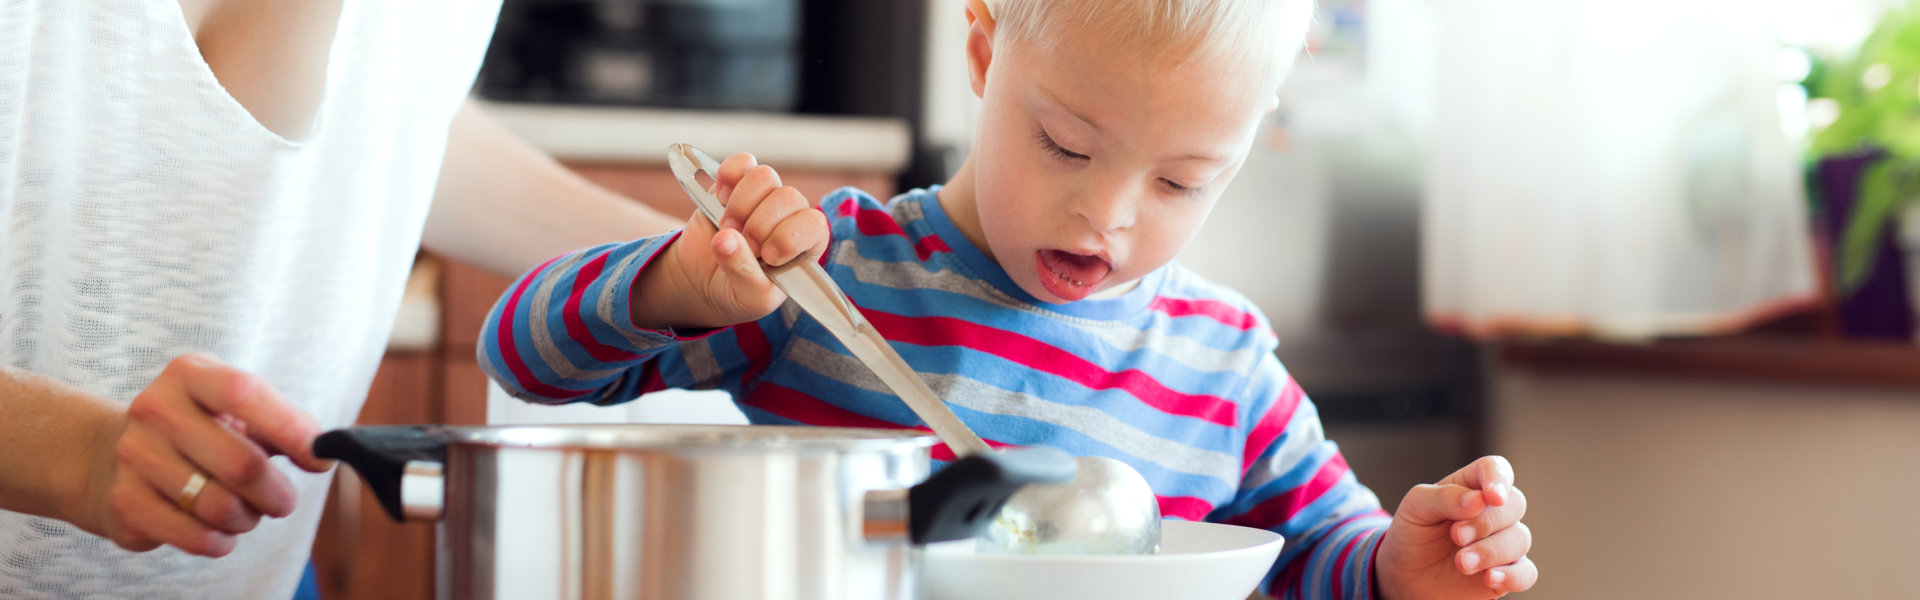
(712, 277)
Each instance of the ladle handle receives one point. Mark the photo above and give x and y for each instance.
(815, 292)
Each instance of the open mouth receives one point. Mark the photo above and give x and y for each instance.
(1071, 276)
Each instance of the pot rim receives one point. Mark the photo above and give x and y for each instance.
(753, 438)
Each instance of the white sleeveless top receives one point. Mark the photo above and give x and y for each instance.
(145, 214)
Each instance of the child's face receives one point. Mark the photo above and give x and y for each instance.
(1095, 167)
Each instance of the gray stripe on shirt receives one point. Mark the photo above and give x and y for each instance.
(543, 337)
(619, 281)
(1300, 441)
(701, 364)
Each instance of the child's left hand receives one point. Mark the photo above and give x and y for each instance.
(1459, 539)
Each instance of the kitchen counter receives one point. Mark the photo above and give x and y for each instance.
(1761, 357)
(641, 135)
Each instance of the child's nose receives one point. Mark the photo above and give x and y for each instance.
(1107, 212)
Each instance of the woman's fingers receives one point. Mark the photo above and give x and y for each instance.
(150, 518)
(193, 462)
(192, 422)
(218, 388)
(164, 470)
(225, 456)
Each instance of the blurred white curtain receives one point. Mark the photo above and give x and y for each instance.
(1610, 167)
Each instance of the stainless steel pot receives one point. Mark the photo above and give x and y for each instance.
(681, 512)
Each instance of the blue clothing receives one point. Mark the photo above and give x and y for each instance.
(309, 584)
(1176, 377)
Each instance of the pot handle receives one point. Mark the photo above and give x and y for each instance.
(958, 502)
(401, 463)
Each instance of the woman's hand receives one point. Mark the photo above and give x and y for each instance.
(713, 276)
(200, 420)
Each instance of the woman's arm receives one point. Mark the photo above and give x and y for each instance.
(48, 442)
(122, 471)
(505, 206)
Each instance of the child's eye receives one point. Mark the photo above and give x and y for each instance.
(1052, 147)
(1181, 189)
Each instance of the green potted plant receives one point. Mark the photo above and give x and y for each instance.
(1868, 172)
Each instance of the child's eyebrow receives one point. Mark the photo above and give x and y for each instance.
(1071, 110)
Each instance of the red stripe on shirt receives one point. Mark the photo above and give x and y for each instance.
(942, 452)
(1225, 313)
(577, 327)
(829, 251)
(873, 221)
(1184, 507)
(1271, 425)
(1290, 576)
(1279, 509)
(510, 352)
(650, 379)
(753, 343)
(788, 403)
(1037, 355)
(929, 245)
(1296, 570)
(1340, 567)
(876, 222)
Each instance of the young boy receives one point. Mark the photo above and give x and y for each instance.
(1036, 293)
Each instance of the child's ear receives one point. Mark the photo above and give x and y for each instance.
(980, 25)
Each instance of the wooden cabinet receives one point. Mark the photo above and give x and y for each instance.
(359, 553)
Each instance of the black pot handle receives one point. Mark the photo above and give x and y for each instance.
(958, 502)
(381, 453)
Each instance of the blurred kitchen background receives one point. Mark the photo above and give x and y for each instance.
(1664, 256)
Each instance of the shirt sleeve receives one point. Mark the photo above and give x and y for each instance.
(563, 333)
(1296, 483)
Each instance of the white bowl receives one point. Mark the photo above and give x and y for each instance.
(1197, 561)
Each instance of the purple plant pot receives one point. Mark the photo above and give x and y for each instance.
(1881, 307)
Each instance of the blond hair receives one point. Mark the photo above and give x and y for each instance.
(1263, 34)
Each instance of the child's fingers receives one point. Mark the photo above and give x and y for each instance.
(1494, 518)
(731, 170)
(1517, 577)
(779, 204)
(753, 189)
(801, 233)
(1428, 504)
(1506, 547)
(1490, 474)
(735, 258)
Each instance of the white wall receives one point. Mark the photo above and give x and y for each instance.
(1670, 488)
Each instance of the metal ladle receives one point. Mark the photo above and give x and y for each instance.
(1108, 508)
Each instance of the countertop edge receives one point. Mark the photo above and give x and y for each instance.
(641, 135)
(1784, 359)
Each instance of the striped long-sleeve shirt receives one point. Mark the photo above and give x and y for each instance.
(1176, 377)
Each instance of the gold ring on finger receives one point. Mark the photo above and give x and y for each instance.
(191, 492)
